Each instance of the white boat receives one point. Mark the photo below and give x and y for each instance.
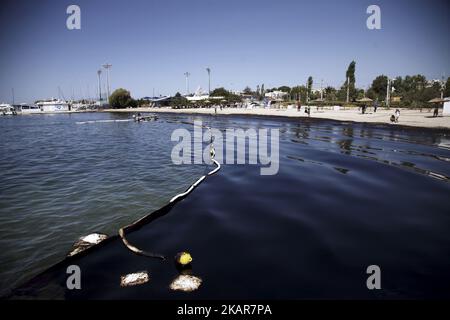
(28, 108)
(53, 105)
(7, 110)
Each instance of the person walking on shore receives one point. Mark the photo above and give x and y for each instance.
(436, 112)
(299, 106)
(375, 106)
(308, 110)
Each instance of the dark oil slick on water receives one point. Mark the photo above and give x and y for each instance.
(347, 196)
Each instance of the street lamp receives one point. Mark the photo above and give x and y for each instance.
(99, 72)
(107, 66)
(388, 92)
(187, 74)
(321, 90)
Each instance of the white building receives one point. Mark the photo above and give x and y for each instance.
(276, 95)
(446, 111)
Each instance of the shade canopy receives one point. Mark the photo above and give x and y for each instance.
(438, 100)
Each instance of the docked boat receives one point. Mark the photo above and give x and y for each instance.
(139, 118)
(7, 110)
(24, 108)
(53, 105)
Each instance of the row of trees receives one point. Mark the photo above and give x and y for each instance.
(410, 91)
(414, 91)
(306, 92)
(121, 98)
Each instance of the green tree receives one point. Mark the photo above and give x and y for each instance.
(415, 91)
(330, 94)
(310, 84)
(378, 88)
(359, 93)
(285, 89)
(299, 93)
(431, 92)
(178, 101)
(222, 92)
(248, 90)
(121, 98)
(350, 78)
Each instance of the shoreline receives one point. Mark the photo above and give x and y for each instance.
(408, 118)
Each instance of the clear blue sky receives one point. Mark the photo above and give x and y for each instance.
(152, 43)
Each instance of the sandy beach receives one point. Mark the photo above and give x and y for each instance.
(408, 117)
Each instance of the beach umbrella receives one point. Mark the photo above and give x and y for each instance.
(364, 100)
(438, 100)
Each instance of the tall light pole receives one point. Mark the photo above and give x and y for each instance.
(389, 89)
(321, 90)
(307, 91)
(99, 72)
(107, 66)
(388, 93)
(187, 74)
(209, 79)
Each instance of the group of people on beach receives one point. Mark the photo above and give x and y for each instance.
(364, 107)
(395, 116)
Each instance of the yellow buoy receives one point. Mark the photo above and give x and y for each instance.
(183, 258)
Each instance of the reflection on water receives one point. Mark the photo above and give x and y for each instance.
(366, 145)
(347, 196)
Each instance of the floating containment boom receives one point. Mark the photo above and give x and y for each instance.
(137, 224)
